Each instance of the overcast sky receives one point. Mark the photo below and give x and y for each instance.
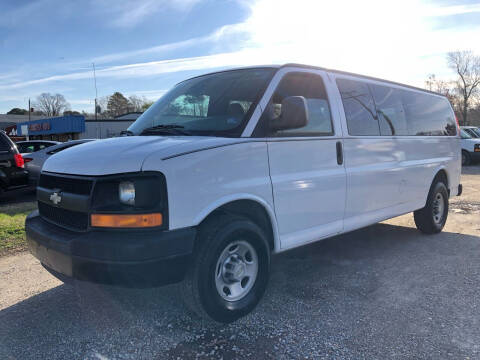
(144, 47)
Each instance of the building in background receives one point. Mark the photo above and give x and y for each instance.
(107, 128)
(61, 128)
(64, 128)
(9, 124)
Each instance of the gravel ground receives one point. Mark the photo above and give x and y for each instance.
(385, 291)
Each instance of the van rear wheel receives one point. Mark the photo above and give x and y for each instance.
(230, 272)
(432, 218)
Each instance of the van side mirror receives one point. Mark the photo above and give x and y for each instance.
(294, 114)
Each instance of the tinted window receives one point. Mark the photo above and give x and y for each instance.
(312, 89)
(26, 148)
(359, 108)
(391, 113)
(4, 143)
(428, 114)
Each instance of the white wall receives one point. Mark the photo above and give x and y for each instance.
(104, 129)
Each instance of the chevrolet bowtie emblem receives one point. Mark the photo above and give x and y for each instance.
(55, 198)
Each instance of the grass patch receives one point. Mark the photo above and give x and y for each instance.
(12, 227)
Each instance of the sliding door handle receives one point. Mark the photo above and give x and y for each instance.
(339, 153)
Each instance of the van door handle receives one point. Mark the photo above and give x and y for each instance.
(339, 153)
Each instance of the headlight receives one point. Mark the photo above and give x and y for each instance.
(126, 193)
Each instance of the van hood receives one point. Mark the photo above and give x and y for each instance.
(125, 154)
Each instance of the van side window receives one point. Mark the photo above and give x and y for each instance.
(391, 114)
(359, 108)
(312, 88)
(428, 115)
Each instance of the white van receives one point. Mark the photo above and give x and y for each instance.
(229, 168)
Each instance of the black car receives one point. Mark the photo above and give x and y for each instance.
(12, 172)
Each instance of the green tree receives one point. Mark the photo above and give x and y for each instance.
(146, 105)
(117, 104)
(17, 111)
(69, 112)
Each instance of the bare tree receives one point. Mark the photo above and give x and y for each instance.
(447, 88)
(51, 105)
(137, 103)
(467, 67)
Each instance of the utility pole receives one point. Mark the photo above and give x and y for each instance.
(96, 94)
(29, 109)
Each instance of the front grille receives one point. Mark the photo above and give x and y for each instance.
(68, 184)
(75, 220)
(63, 217)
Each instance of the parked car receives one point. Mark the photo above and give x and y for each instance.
(229, 168)
(470, 147)
(12, 172)
(473, 131)
(27, 147)
(35, 160)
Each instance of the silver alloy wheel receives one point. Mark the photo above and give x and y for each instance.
(236, 270)
(438, 208)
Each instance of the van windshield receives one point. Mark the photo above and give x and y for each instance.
(218, 104)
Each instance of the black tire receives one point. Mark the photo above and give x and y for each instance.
(431, 219)
(466, 158)
(199, 287)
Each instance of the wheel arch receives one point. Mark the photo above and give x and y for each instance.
(440, 173)
(250, 206)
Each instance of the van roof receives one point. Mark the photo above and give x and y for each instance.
(362, 76)
(325, 69)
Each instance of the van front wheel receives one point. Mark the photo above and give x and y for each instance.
(431, 219)
(230, 272)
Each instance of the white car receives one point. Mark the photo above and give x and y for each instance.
(229, 168)
(470, 147)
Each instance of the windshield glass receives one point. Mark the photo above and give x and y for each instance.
(217, 104)
(464, 134)
(474, 132)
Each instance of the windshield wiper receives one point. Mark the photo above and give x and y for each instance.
(126, 133)
(169, 129)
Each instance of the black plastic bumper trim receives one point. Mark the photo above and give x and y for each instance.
(133, 259)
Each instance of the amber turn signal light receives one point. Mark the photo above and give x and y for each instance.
(127, 220)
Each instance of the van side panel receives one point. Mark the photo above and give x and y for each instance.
(388, 176)
(202, 181)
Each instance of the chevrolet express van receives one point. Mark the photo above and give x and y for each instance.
(231, 167)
